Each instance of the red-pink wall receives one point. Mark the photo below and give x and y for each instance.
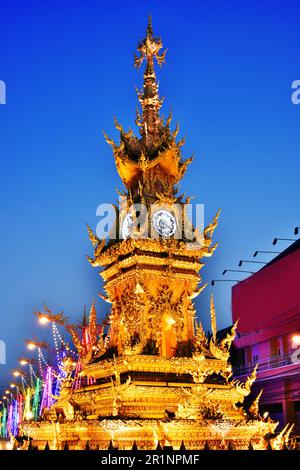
(269, 300)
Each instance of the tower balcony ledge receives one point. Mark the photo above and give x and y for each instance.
(196, 367)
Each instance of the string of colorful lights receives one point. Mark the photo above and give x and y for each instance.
(37, 385)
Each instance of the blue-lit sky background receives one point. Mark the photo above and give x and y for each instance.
(69, 70)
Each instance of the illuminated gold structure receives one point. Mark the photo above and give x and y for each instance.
(158, 379)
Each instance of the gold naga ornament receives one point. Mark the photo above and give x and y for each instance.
(156, 376)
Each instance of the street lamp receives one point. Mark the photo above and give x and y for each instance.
(296, 340)
(17, 373)
(47, 316)
(264, 251)
(223, 280)
(250, 261)
(43, 319)
(32, 344)
(23, 361)
(236, 271)
(284, 239)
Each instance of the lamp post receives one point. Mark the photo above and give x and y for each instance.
(284, 239)
(236, 271)
(23, 361)
(223, 280)
(32, 344)
(296, 340)
(17, 373)
(250, 261)
(264, 251)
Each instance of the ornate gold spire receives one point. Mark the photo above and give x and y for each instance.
(149, 122)
(156, 152)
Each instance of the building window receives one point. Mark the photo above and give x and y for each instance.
(255, 358)
(297, 406)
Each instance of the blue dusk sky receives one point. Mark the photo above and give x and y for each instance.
(68, 69)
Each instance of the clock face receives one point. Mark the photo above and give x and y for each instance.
(164, 223)
(127, 226)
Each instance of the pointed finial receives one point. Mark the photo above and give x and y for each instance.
(94, 239)
(213, 318)
(254, 408)
(93, 324)
(149, 27)
(149, 48)
(84, 320)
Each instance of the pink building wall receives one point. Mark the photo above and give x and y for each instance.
(267, 305)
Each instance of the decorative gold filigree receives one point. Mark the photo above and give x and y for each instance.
(244, 388)
(228, 340)
(254, 408)
(200, 341)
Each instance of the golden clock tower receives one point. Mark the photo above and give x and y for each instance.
(155, 378)
(151, 272)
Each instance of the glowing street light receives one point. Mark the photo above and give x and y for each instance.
(43, 319)
(23, 362)
(296, 340)
(17, 373)
(29, 415)
(47, 316)
(32, 344)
